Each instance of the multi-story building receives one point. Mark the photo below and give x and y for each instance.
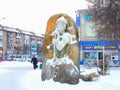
(92, 48)
(14, 41)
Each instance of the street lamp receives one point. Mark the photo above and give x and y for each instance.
(2, 18)
(78, 23)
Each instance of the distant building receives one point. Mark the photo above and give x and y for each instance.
(19, 42)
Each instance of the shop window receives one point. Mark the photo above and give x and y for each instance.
(93, 55)
(1, 33)
(0, 44)
(100, 56)
(87, 55)
(91, 58)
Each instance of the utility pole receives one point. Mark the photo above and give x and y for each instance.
(103, 60)
(78, 23)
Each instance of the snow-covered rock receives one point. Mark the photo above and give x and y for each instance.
(61, 50)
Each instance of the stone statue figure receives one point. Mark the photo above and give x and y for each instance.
(61, 38)
(61, 50)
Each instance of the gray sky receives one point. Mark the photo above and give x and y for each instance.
(32, 15)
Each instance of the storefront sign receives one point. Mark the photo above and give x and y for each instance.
(87, 47)
(99, 47)
(118, 46)
(111, 47)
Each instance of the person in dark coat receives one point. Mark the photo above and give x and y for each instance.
(34, 61)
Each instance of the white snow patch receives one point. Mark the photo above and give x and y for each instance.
(32, 79)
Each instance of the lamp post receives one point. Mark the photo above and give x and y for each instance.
(2, 18)
(78, 23)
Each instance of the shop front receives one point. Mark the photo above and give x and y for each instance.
(92, 54)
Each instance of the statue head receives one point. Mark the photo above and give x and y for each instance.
(61, 24)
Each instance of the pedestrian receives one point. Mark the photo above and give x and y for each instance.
(34, 61)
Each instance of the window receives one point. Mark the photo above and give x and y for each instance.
(1, 33)
(26, 37)
(0, 44)
(87, 55)
(88, 25)
(8, 33)
(26, 41)
(17, 41)
(87, 17)
(17, 34)
(1, 37)
(89, 30)
(100, 56)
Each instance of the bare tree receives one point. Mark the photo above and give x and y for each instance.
(106, 18)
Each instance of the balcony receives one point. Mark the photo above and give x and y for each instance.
(18, 37)
(10, 39)
(9, 46)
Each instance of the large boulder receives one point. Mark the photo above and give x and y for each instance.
(61, 62)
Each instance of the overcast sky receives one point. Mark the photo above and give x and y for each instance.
(32, 15)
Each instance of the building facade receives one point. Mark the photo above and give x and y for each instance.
(14, 41)
(92, 48)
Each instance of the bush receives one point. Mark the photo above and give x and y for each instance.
(100, 70)
(89, 77)
(86, 77)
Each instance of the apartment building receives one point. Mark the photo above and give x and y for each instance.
(92, 48)
(14, 41)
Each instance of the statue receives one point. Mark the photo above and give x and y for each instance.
(61, 50)
(61, 38)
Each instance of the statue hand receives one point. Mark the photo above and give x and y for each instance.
(55, 34)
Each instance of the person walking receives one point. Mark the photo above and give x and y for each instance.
(34, 61)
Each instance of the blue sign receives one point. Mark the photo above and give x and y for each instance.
(88, 47)
(33, 48)
(99, 42)
(78, 20)
(112, 47)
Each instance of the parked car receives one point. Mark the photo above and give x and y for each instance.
(18, 58)
(11, 57)
(26, 58)
(39, 59)
(4, 58)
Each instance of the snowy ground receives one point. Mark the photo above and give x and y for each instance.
(21, 76)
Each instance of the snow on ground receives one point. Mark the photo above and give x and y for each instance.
(8, 64)
(13, 64)
(31, 80)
